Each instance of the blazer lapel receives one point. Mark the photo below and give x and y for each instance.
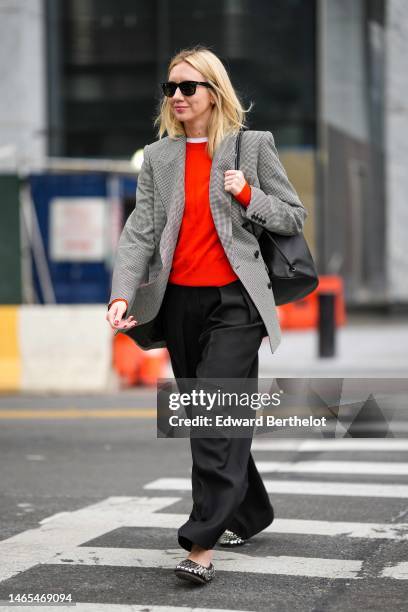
(169, 172)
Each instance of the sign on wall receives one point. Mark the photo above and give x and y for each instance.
(78, 229)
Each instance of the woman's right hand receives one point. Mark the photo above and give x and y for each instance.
(115, 316)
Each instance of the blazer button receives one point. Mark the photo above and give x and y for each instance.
(269, 285)
(245, 224)
(256, 254)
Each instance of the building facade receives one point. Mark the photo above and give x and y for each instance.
(81, 80)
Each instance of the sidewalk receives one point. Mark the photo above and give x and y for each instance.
(367, 346)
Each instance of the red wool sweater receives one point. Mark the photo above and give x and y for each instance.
(199, 257)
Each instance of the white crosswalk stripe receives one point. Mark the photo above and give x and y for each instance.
(302, 487)
(399, 571)
(392, 468)
(238, 562)
(109, 607)
(333, 445)
(376, 531)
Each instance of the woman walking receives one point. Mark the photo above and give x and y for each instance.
(189, 276)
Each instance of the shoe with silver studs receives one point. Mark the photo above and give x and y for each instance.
(229, 538)
(194, 572)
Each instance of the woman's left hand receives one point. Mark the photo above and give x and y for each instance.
(234, 181)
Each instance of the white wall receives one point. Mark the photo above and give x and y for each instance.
(65, 348)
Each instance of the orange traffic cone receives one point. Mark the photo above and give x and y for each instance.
(127, 358)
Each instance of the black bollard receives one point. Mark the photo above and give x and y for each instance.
(327, 324)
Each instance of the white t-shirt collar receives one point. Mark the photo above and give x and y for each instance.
(200, 139)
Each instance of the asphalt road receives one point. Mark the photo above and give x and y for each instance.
(90, 502)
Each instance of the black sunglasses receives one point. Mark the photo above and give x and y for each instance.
(187, 88)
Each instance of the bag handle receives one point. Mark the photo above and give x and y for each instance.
(238, 148)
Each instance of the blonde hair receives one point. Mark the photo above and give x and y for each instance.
(227, 116)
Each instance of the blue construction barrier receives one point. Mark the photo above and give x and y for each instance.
(74, 281)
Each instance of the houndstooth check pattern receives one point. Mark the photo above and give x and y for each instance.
(147, 243)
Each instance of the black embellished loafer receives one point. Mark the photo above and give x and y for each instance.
(229, 538)
(194, 572)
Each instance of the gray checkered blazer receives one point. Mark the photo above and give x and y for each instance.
(147, 243)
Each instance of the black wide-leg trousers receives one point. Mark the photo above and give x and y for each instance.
(216, 332)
